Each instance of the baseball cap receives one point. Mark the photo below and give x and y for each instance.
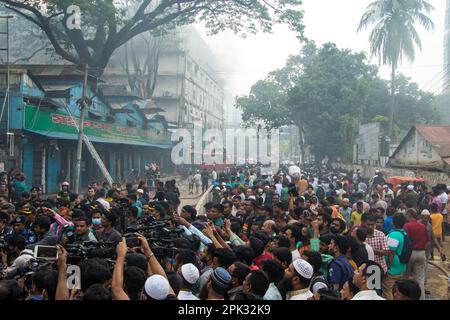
(140, 191)
(410, 187)
(65, 183)
(425, 212)
(190, 273)
(303, 268)
(35, 189)
(157, 287)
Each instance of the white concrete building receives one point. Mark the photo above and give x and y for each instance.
(424, 147)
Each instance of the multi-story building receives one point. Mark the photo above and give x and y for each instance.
(186, 87)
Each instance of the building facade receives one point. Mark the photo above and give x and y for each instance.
(424, 147)
(186, 87)
(43, 116)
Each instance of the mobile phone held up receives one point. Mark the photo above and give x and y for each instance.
(46, 252)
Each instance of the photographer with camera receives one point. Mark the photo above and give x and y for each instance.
(16, 250)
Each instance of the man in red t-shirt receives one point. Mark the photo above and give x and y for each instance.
(417, 232)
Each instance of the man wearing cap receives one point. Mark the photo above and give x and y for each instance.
(19, 229)
(411, 196)
(63, 196)
(35, 194)
(299, 276)
(189, 274)
(218, 284)
(387, 194)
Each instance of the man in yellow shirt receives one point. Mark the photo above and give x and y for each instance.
(436, 222)
(355, 218)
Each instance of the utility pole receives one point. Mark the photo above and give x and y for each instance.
(83, 105)
(9, 135)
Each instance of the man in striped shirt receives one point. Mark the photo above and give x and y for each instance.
(376, 239)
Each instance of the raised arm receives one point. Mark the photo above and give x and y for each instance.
(62, 292)
(117, 280)
(154, 267)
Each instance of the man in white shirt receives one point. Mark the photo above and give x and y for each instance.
(387, 193)
(189, 274)
(102, 201)
(368, 278)
(214, 177)
(299, 273)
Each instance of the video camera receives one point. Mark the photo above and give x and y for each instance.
(90, 249)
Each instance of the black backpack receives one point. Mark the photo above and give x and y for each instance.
(407, 248)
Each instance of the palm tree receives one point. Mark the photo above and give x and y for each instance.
(394, 34)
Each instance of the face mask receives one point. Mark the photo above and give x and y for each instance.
(96, 221)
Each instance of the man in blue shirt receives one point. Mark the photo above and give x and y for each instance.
(387, 226)
(340, 270)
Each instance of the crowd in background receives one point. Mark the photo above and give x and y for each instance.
(288, 236)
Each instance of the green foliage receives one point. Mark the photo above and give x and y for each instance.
(394, 33)
(108, 24)
(327, 92)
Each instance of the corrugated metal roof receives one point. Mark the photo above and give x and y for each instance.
(438, 136)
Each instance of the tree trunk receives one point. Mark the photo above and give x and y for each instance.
(391, 118)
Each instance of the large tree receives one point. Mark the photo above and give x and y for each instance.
(322, 91)
(108, 24)
(394, 34)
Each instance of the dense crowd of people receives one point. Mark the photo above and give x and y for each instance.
(314, 236)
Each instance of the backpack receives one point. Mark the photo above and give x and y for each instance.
(407, 248)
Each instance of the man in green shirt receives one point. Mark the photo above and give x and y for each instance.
(396, 269)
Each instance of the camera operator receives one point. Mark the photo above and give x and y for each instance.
(82, 231)
(109, 234)
(21, 256)
(41, 228)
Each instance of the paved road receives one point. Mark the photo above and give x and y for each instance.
(186, 198)
(437, 282)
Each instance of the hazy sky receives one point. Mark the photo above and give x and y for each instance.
(245, 61)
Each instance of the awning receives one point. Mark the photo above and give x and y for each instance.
(72, 136)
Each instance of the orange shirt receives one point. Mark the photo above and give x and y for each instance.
(436, 223)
